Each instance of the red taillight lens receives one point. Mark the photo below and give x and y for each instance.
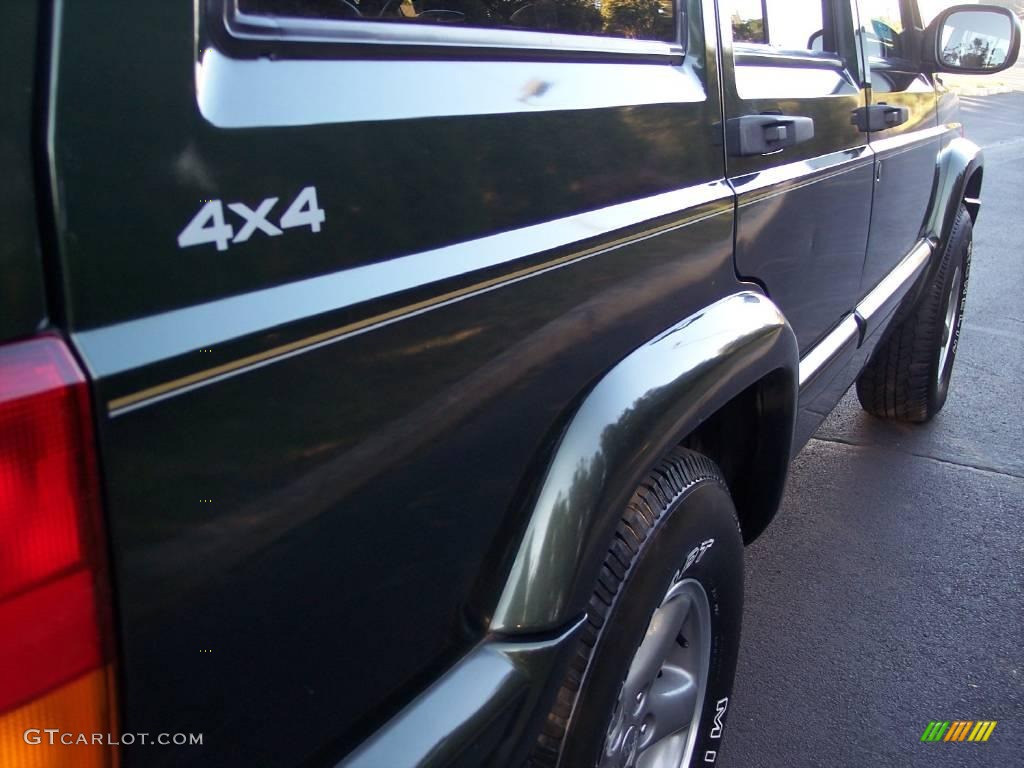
(57, 638)
(46, 483)
(54, 643)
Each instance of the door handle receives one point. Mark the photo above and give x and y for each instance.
(879, 117)
(762, 134)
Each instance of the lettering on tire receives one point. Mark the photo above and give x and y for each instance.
(718, 725)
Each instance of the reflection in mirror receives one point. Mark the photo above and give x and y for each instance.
(975, 40)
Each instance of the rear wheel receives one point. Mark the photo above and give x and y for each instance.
(907, 378)
(650, 682)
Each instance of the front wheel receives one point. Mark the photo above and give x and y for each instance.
(907, 378)
(650, 682)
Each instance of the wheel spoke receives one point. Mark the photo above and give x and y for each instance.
(653, 723)
(670, 705)
(655, 647)
(667, 753)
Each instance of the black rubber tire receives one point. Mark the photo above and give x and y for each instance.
(683, 503)
(901, 381)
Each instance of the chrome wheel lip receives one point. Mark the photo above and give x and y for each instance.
(949, 325)
(628, 742)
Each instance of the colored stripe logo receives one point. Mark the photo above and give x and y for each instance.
(958, 730)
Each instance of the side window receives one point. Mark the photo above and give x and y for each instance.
(632, 19)
(793, 25)
(882, 29)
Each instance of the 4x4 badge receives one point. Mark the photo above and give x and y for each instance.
(209, 226)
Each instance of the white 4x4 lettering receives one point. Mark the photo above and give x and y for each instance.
(209, 226)
(254, 219)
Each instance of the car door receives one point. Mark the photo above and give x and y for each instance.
(800, 168)
(907, 141)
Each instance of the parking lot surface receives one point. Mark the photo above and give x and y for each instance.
(889, 591)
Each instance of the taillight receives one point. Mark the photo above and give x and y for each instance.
(55, 652)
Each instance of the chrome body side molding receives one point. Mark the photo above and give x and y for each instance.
(830, 348)
(133, 344)
(886, 296)
(869, 315)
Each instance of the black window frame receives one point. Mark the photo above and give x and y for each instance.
(250, 35)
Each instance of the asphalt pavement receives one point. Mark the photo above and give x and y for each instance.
(889, 591)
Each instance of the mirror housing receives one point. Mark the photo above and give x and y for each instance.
(984, 27)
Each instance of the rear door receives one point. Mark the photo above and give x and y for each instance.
(905, 150)
(804, 207)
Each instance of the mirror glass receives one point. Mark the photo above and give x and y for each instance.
(975, 40)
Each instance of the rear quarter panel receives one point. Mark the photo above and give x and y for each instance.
(316, 477)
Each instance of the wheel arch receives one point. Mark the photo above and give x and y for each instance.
(696, 384)
(743, 439)
(959, 171)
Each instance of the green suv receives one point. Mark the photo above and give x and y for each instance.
(396, 383)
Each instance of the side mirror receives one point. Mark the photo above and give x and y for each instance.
(971, 39)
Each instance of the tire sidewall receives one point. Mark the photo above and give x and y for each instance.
(702, 513)
(959, 254)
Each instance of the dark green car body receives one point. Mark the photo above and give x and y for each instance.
(370, 460)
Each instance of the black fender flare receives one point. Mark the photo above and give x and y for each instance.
(641, 408)
(955, 166)
(958, 167)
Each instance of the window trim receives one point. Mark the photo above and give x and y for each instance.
(747, 54)
(758, 55)
(292, 29)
